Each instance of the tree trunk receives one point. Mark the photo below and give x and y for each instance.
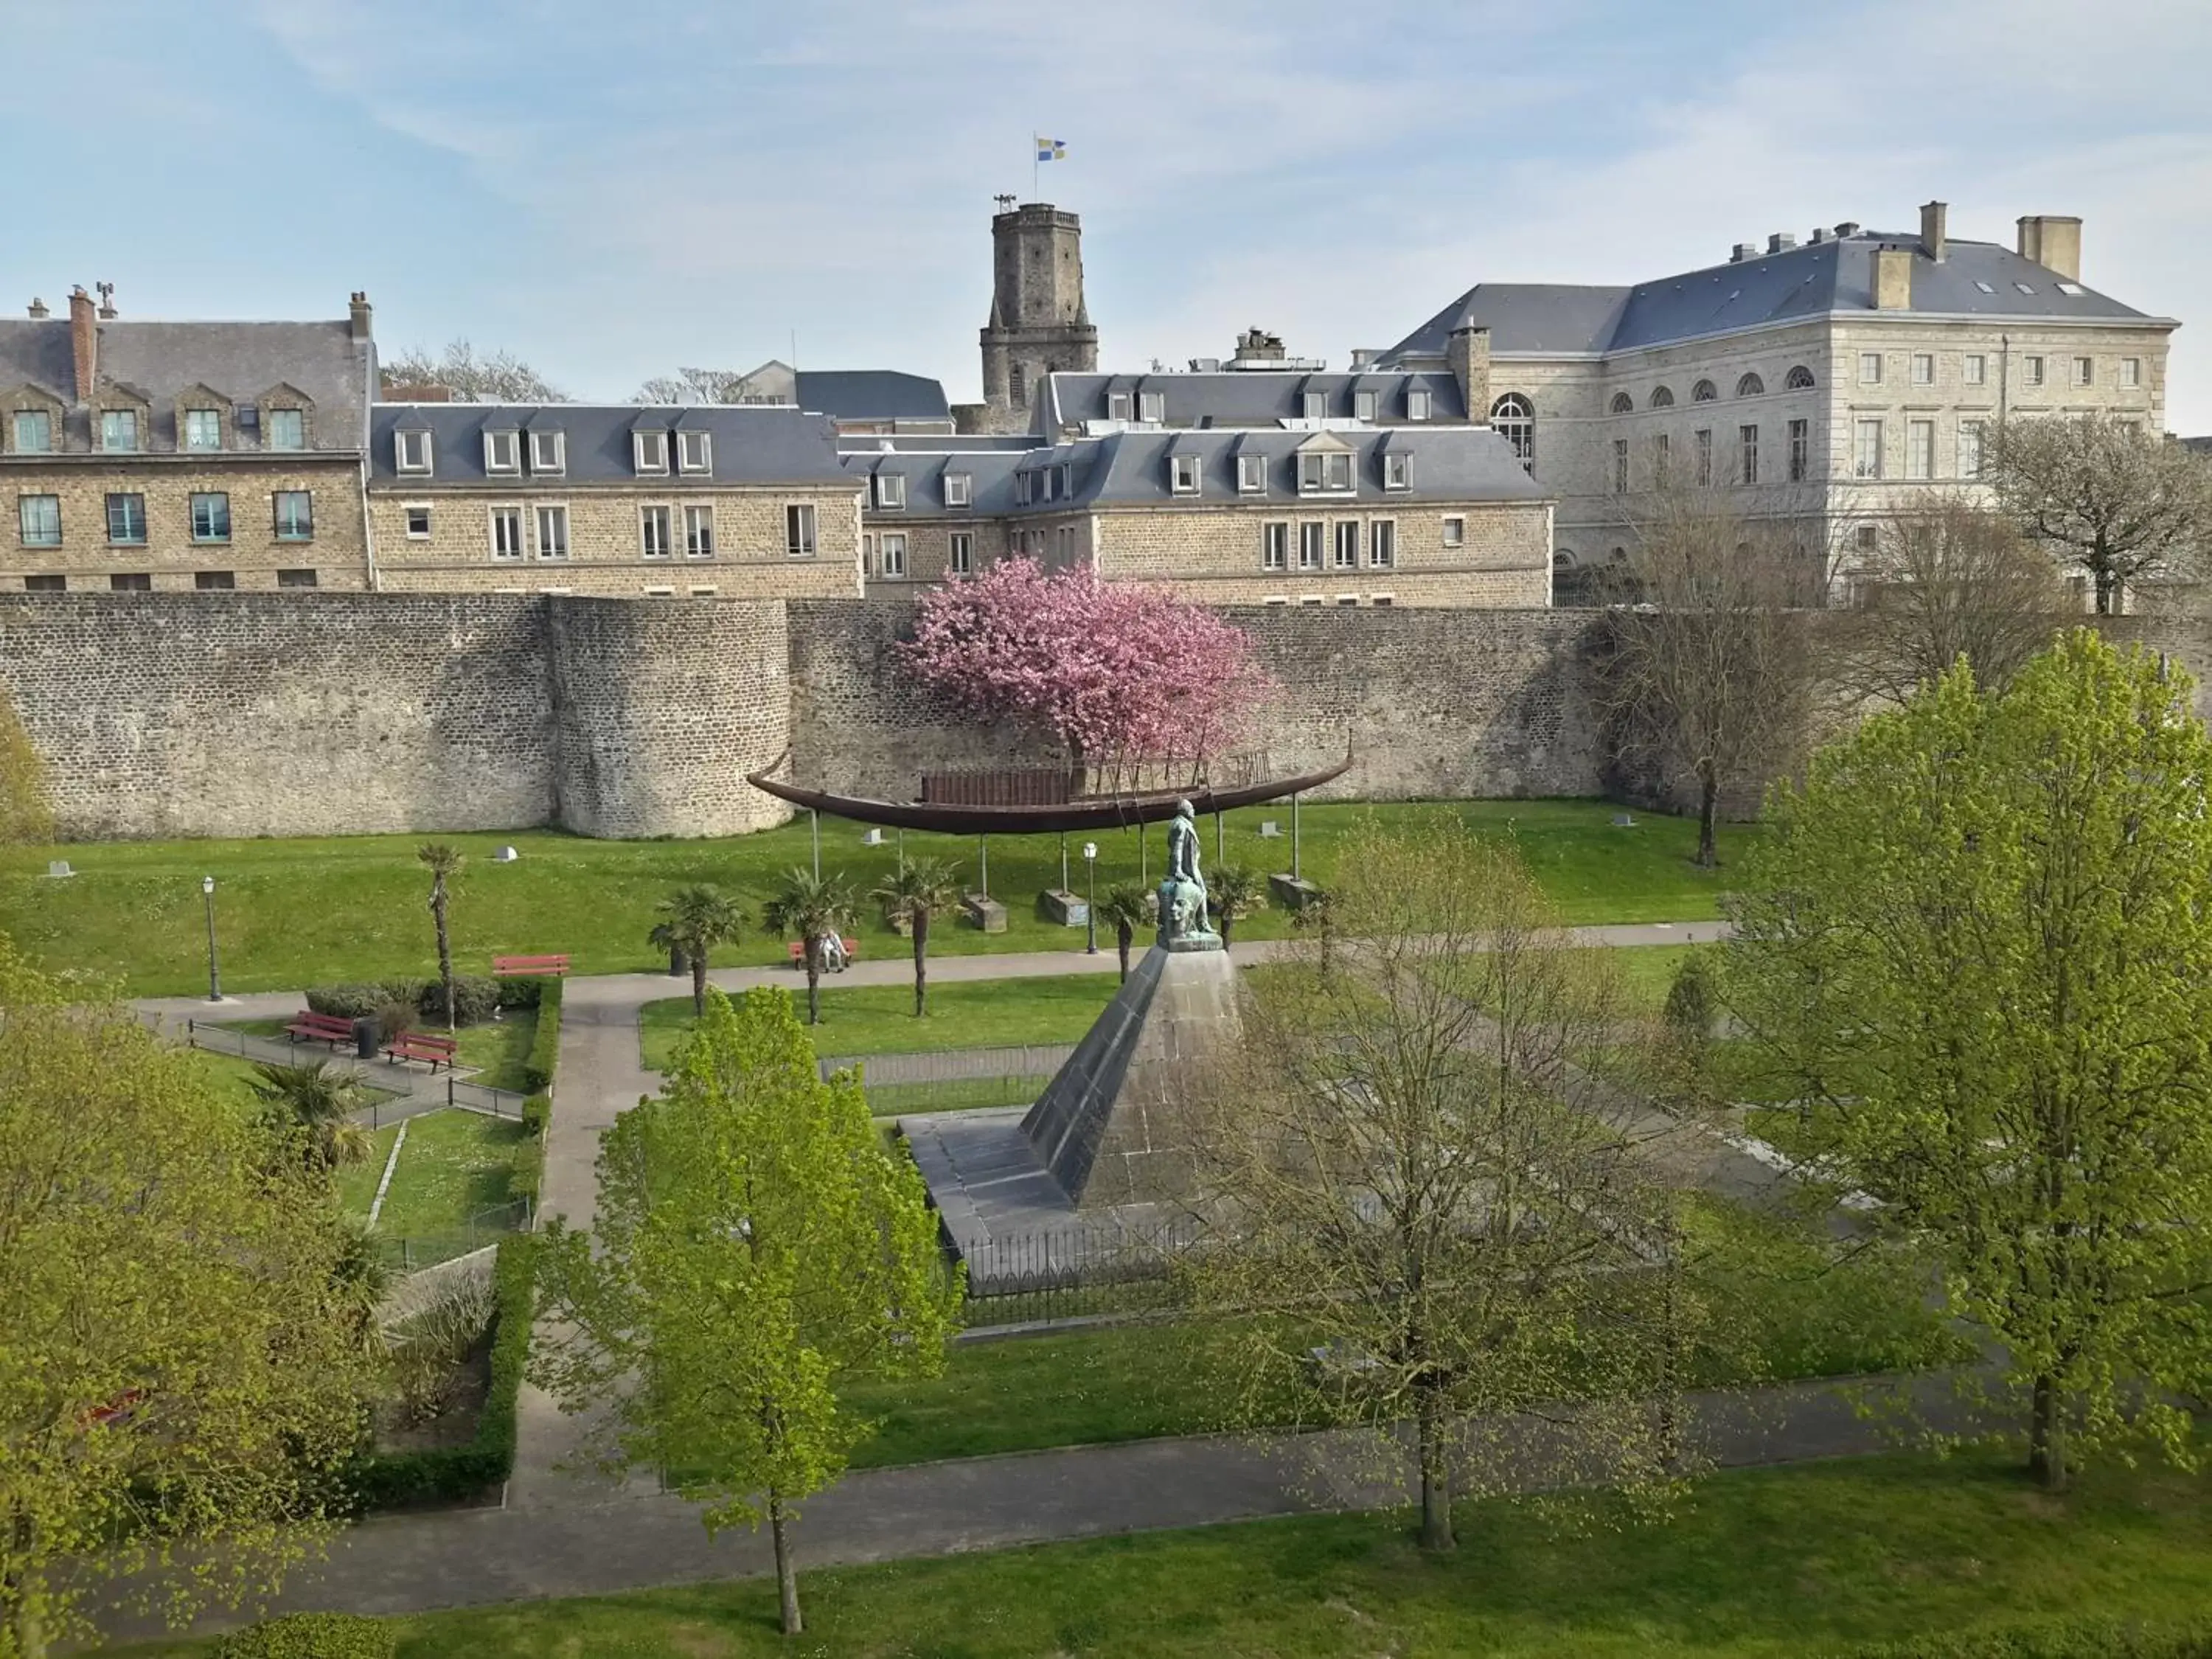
(813, 955)
(2107, 589)
(697, 964)
(1122, 935)
(2046, 1442)
(1709, 802)
(1226, 921)
(445, 954)
(919, 919)
(786, 1570)
(1436, 1481)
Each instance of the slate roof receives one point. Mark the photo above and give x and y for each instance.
(1243, 397)
(1975, 279)
(762, 444)
(242, 361)
(990, 475)
(872, 394)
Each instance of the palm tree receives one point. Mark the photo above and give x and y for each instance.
(1236, 891)
(1125, 908)
(694, 920)
(812, 908)
(918, 890)
(445, 864)
(317, 1101)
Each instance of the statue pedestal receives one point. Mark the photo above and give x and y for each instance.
(987, 914)
(1293, 893)
(1068, 910)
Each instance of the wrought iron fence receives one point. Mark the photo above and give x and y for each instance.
(1077, 1272)
(395, 1091)
(411, 1253)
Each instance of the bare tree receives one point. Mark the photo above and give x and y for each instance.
(1955, 580)
(499, 378)
(1710, 668)
(2121, 503)
(693, 386)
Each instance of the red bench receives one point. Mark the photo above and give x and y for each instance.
(313, 1027)
(422, 1045)
(798, 948)
(528, 967)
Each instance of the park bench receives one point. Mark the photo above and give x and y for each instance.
(528, 967)
(798, 948)
(310, 1026)
(422, 1045)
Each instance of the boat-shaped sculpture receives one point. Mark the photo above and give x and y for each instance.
(1114, 809)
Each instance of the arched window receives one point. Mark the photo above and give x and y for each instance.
(1704, 392)
(1799, 379)
(1662, 397)
(1750, 386)
(1513, 419)
(1562, 559)
(1622, 403)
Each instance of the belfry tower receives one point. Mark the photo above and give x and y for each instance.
(1038, 320)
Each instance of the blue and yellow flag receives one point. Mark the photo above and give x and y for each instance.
(1051, 149)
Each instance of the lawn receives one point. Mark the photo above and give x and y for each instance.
(1757, 1565)
(291, 913)
(456, 1166)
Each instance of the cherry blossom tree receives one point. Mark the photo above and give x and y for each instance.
(1114, 671)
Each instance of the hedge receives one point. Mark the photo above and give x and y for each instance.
(545, 1048)
(311, 1636)
(530, 1157)
(381, 1481)
(475, 997)
(2067, 1637)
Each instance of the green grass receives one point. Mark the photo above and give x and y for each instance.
(234, 1077)
(1757, 1565)
(455, 1165)
(356, 1182)
(959, 1095)
(497, 1049)
(1647, 973)
(292, 913)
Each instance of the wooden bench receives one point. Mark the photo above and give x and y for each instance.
(309, 1026)
(422, 1045)
(528, 967)
(798, 948)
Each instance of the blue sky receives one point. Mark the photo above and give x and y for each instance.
(613, 192)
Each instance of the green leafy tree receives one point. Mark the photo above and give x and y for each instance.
(1125, 908)
(811, 908)
(918, 890)
(178, 1354)
(23, 813)
(693, 922)
(1979, 948)
(314, 1102)
(1235, 891)
(444, 863)
(755, 1251)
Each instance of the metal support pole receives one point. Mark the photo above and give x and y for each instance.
(983, 863)
(1294, 838)
(815, 818)
(214, 965)
(1220, 858)
(1063, 860)
(1090, 901)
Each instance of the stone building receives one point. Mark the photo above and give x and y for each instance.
(857, 400)
(157, 455)
(1039, 324)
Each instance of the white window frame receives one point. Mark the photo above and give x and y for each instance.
(1153, 407)
(1920, 450)
(705, 591)
(137, 433)
(1382, 543)
(1325, 473)
(648, 453)
(1275, 544)
(2032, 368)
(959, 489)
(1869, 368)
(1417, 403)
(659, 592)
(2085, 371)
(1746, 453)
(407, 512)
(2130, 372)
(1314, 406)
(269, 425)
(960, 553)
(695, 451)
(16, 426)
(1454, 531)
(1313, 543)
(1862, 427)
(1397, 469)
(521, 520)
(1923, 368)
(281, 533)
(1704, 446)
(1974, 369)
(411, 438)
(193, 515)
(800, 531)
(1619, 471)
(198, 416)
(1251, 474)
(1365, 404)
(1974, 442)
(547, 463)
(890, 492)
(654, 523)
(23, 518)
(698, 529)
(891, 546)
(1183, 475)
(498, 444)
(545, 513)
(1118, 406)
(1345, 538)
(1798, 436)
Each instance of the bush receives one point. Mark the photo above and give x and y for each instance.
(2064, 1638)
(379, 1481)
(311, 1636)
(475, 996)
(538, 1114)
(366, 1001)
(519, 992)
(545, 1048)
(530, 1157)
(1692, 1001)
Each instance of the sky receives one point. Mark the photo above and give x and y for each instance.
(612, 192)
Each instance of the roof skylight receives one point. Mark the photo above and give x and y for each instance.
(2073, 289)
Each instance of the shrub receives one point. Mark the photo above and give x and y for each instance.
(545, 1048)
(2062, 1637)
(1692, 1001)
(538, 1114)
(365, 1000)
(427, 1348)
(311, 1636)
(394, 1018)
(519, 992)
(475, 996)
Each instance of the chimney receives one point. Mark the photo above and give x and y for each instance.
(1466, 353)
(1846, 228)
(1781, 242)
(39, 313)
(1821, 233)
(107, 292)
(360, 316)
(1933, 243)
(1743, 251)
(2054, 242)
(1892, 279)
(84, 342)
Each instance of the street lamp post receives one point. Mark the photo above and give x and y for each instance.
(215, 968)
(1091, 898)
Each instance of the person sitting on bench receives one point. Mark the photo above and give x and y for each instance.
(833, 953)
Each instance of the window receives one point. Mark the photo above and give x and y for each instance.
(1153, 406)
(1920, 449)
(1274, 546)
(1750, 386)
(1397, 472)
(1866, 449)
(1316, 405)
(958, 490)
(1363, 405)
(214, 581)
(1348, 544)
(502, 452)
(418, 520)
(1182, 474)
(1324, 472)
(1622, 403)
(702, 592)
(890, 491)
(1868, 538)
(287, 429)
(1869, 368)
(695, 451)
(1800, 451)
(411, 452)
(1382, 543)
(2085, 371)
(40, 519)
(211, 516)
(295, 579)
(1455, 532)
(1382, 600)
(1417, 403)
(960, 553)
(2130, 376)
(1704, 392)
(1117, 406)
(34, 432)
(1347, 598)
(653, 531)
(659, 592)
(1971, 434)
(552, 533)
(1702, 442)
(1619, 465)
(1313, 536)
(1025, 489)
(1923, 368)
(506, 533)
(2032, 370)
(118, 429)
(136, 581)
(698, 532)
(894, 545)
(1514, 420)
(203, 429)
(1251, 474)
(1799, 379)
(1017, 386)
(1974, 369)
(1662, 455)
(649, 452)
(1662, 397)
(1747, 439)
(799, 530)
(295, 515)
(548, 453)
(45, 584)
(126, 519)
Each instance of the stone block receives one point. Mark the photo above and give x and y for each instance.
(1293, 893)
(987, 914)
(1067, 909)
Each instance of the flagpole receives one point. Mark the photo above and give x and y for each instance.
(1037, 168)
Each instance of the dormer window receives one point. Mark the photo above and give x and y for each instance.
(502, 452)
(1182, 474)
(1117, 406)
(287, 429)
(1363, 405)
(1328, 472)
(1153, 406)
(695, 451)
(1251, 474)
(1051, 479)
(1316, 405)
(958, 490)
(649, 451)
(411, 451)
(1067, 479)
(548, 453)
(202, 429)
(118, 429)
(1024, 488)
(890, 491)
(1417, 403)
(1397, 472)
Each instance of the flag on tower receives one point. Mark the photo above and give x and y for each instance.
(1051, 149)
